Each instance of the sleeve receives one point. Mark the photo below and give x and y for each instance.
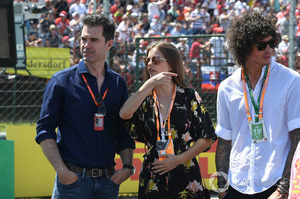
(123, 139)
(50, 111)
(223, 128)
(201, 126)
(136, 125)
(293, 105)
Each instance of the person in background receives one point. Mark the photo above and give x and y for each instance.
(33, 40)
(199, 19)
(283, 45)
(164, 112)
(75, 23)
(53, 38)
(65, 42)
(63, 24)
(155, 7)
(226, 16)
(183, 45)
(79, 7)
(258, 114)
(59, 6)
(82, 102)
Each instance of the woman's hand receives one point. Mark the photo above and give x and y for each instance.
(164, 78)
(166, 165)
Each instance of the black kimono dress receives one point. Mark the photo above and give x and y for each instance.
(189, 122)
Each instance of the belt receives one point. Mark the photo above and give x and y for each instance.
(94, 173)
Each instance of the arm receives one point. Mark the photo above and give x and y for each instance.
(126, 156)
(123, 174)
(133, 102)
(173, 161)
(222, 163)
(50, 150)
(192, 19)
(162, 3)
(284, 182)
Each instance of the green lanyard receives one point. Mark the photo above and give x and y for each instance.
(256, 105)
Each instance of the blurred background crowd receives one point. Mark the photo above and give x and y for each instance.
(60, 27)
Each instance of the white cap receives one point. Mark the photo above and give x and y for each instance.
(129, 7)
(134, 14)
(75, 13)
(151, 32)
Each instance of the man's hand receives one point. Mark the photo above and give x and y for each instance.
(222, 194)
(277, 195)
(120, 176)
(67, 178)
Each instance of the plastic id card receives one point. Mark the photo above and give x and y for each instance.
(164, 147)
(258, 131)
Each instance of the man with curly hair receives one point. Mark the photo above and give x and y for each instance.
(258, 114)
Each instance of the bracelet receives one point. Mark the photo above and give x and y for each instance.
(281, 187)
(282, 191)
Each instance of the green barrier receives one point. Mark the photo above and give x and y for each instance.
(7, 182)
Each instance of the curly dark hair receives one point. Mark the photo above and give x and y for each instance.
(247, 30)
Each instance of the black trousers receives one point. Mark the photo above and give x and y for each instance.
(234, 194)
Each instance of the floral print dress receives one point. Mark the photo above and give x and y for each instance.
(189, 122)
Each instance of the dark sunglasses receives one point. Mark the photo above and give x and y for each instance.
(101, 108)
(155, 60)
(263, 44)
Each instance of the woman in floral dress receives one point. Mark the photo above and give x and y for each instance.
(165, 105)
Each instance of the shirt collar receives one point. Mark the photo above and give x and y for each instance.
(83, 69)
(271, 66)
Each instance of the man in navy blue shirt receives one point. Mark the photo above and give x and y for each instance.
(83, 102)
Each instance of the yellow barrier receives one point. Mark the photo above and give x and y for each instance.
(34, 175)
(44, 62)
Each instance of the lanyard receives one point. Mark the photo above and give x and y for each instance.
(161, 123)
(91, 92)
(259, 105)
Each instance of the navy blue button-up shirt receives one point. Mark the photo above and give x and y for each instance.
(69, 107)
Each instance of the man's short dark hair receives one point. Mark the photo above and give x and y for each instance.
(108, 25)
(247, 30)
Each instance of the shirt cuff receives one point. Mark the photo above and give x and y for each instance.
(293, 124)
(223, 133)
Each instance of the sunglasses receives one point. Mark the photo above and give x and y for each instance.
(101, 108)
(263, 44)
(155, 60)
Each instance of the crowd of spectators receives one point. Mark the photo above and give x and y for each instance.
(60, 27)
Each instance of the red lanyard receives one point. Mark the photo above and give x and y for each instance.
(91, 92)
(265, 83)
(161, 123)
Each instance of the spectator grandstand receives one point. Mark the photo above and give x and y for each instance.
(138, 23)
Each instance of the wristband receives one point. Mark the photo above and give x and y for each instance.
(282, 191)
(132, 168)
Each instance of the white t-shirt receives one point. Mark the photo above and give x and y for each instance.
(256, 167)
(153, 9)
(81, 8)
(283, 47)
(200, 23)
(124, 34)
(217, 48)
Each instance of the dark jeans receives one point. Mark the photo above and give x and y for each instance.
(86, 188)
(234, 194)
